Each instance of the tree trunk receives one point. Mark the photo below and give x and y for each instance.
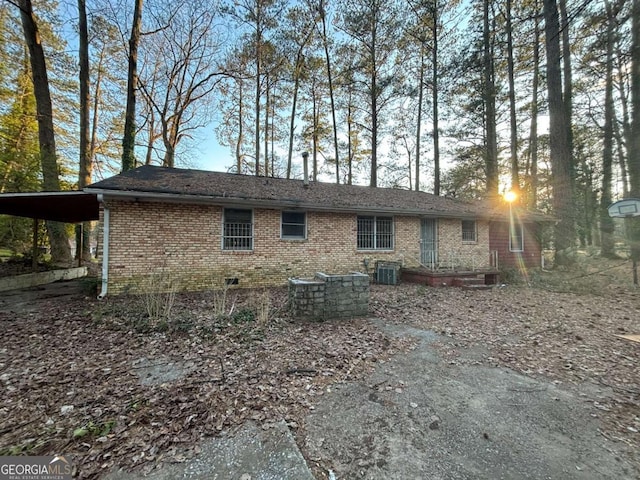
(240, 128)
(562, 184)
(491, 160)
(606, 222)
(273, 135)
(567, 94)
(83, 247)
(434, 92)
(633, 148)
(419, 119)
(515, 178)
(314, 135)
(129, 137)
(258, 73)
(622, 161)
(349, 146)
(294, 102)
(267, 105)
(331, 95)
(374, 122)
(151, 136)
(93, 146)
(60, 251)
(533, 135)
(624, 137)
(169, 139)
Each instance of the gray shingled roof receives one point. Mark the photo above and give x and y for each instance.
(176, 184)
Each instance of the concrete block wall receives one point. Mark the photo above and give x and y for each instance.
(183, 244)
(330, 296)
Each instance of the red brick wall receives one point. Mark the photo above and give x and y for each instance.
(530, 257)
(184, 243)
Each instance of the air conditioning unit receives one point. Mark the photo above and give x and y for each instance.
(387, 275)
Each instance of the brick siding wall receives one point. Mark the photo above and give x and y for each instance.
(464, 255)
(184, 243)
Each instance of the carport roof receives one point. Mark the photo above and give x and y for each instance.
(67, 207)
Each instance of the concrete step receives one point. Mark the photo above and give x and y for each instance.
(466, 281)
(478, 287)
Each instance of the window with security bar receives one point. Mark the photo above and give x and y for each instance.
(469, 231)
(375, 233)
(238, 229)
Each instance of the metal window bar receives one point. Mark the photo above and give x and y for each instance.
(468, 231)
(366, 235)
(238, 236)
(384, 233)
(468, 235)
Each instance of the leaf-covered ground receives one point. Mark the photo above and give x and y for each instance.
(70, 374)
(101, 381)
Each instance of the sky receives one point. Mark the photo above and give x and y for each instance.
(209, 154)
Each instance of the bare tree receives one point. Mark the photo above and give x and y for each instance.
(373, 26)
(177, 87)
(300, 32)
(259, 16)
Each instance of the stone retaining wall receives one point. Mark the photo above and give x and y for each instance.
(330, 296)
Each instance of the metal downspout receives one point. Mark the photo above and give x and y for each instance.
(105, 248)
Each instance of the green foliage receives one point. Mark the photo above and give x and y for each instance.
(15, 234)
(512, 276)
(466, 179)
(19, 150)
(96, 429)
(244, 315)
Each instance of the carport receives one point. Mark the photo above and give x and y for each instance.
(65, 207)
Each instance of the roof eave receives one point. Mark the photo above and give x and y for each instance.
(132, 195)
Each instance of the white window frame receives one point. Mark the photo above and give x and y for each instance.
(240, 239)
(374, 234)
(283, 223)
(520, 226)
(475, 231)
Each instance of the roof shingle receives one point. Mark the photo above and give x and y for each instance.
(200, 185)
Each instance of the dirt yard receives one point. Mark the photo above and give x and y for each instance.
(102, 381)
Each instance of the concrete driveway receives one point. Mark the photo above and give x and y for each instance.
(418, 416)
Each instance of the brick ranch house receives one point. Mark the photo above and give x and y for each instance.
(205, 229)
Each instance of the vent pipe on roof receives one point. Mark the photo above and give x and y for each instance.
(305, 163)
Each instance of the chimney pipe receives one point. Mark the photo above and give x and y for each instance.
(305, 162)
